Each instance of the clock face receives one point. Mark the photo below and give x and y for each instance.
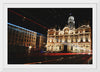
(71, 18)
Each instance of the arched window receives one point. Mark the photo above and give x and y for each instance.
(81, 40)
(86, 39)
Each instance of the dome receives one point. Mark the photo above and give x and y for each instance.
(71, 18)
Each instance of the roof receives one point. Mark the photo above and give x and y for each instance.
(24, 28)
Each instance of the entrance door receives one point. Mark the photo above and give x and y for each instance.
(65, 48)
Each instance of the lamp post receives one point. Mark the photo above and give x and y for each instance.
(29, 49)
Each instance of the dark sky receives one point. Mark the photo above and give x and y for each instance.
(49, 17)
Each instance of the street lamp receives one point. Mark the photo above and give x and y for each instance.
(29, 49)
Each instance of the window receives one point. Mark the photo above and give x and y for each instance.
(76, 39)
(87, 46)
(57, 39)
(60, 48)
(71, 39)
(60, 40)
(71, 47)
(65, 39)
(81, 40)
(86, 39)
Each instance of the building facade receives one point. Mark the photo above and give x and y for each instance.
(19, 36)
(70, 39)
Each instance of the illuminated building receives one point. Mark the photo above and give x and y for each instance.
(19, 36)
(70, 39)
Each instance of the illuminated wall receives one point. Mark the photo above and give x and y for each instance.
(76, 40)
(24, 37)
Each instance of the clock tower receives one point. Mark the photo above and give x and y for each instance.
(71, 22)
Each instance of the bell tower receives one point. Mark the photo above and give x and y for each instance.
(71, 22)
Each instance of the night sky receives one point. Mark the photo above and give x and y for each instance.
(49, 17)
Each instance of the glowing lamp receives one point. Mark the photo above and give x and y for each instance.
(30, 47)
